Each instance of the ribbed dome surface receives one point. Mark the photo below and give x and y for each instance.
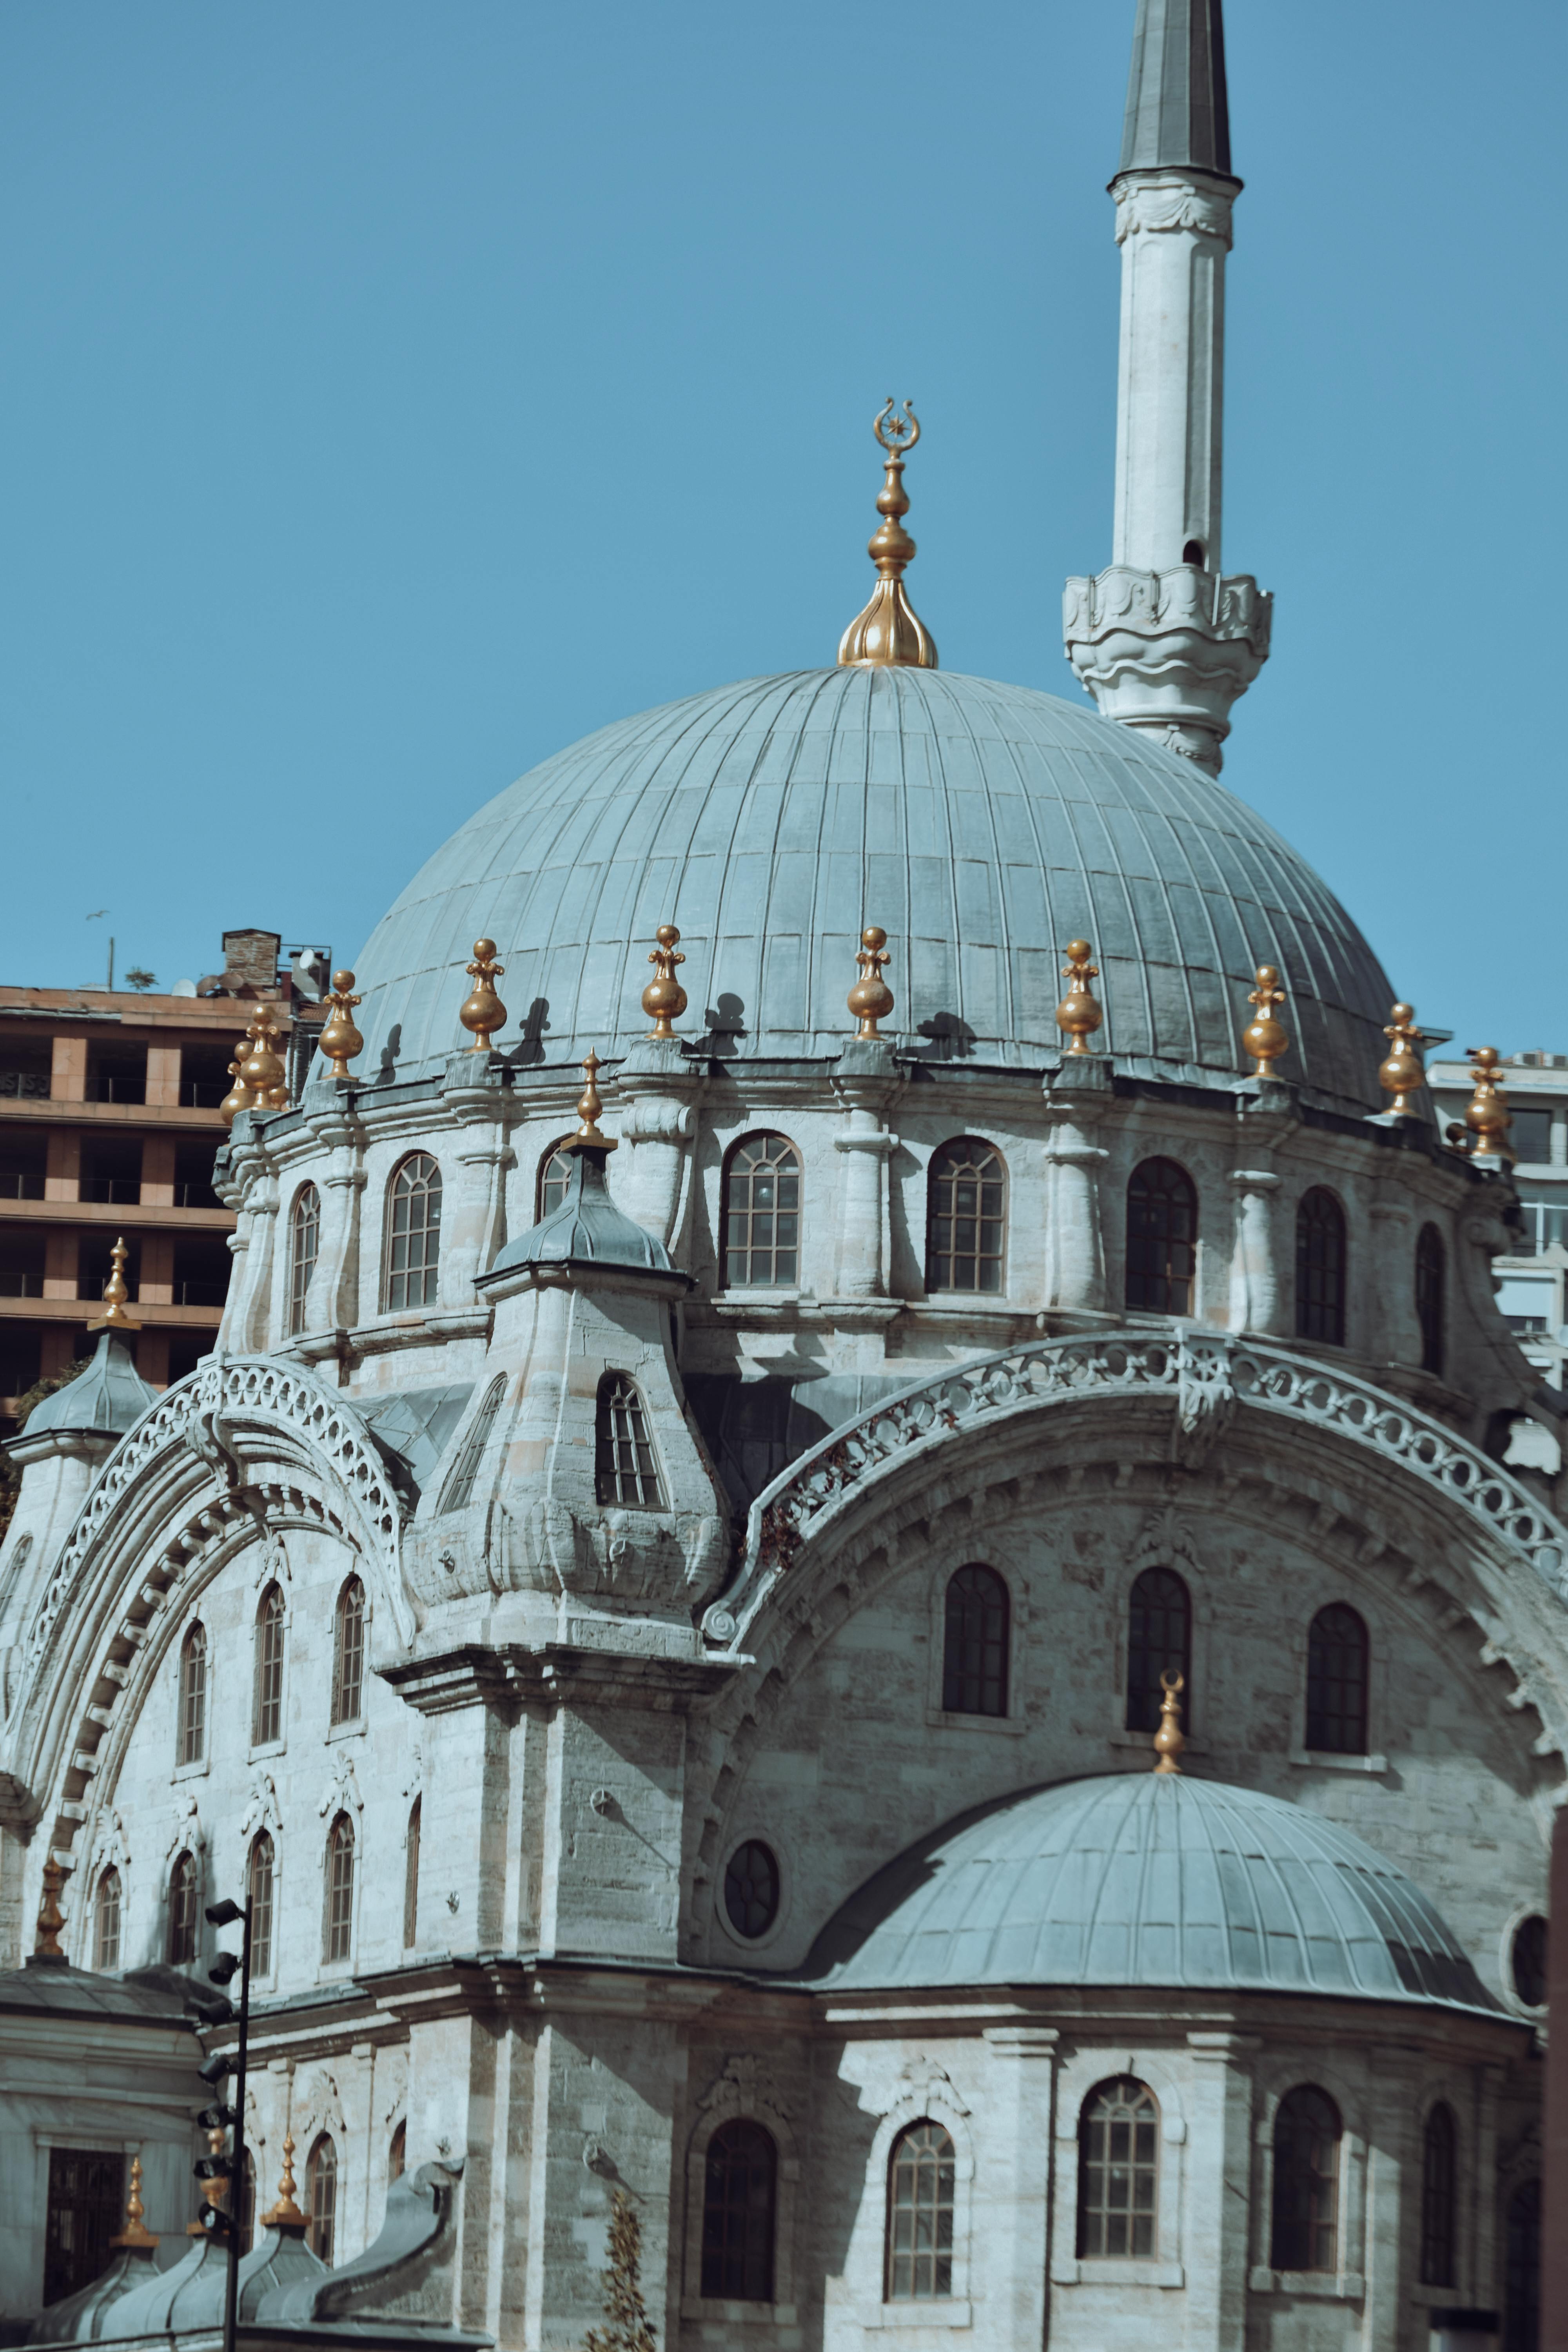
(982, 825)
(1148, 1879)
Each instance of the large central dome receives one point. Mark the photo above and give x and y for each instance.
(982, 825)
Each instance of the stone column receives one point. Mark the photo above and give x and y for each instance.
(250, 1188)
(1257, 1300)
(1016, 2169)
(865, 1079)
(1393, 1285)
(657, 1090)
(1077, 1099)
(474, 1227)
(1218, 2190)
(332, 1303)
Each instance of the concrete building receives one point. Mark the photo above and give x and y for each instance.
(711, 1499)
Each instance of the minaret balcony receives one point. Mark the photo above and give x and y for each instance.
(1169, 651)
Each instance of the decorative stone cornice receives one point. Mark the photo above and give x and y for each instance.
(1169, 652)
(1174, 198)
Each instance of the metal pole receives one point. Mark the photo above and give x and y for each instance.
(237, 2190)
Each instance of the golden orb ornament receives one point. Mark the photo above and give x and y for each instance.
(1264, 1038)
(870, 1000)
(1078, 1015)
(664, 1000)
(340, 1041)
(483, 1013)
(1401, 1074)
(1486, 1114)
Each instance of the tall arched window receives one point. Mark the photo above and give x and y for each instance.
(106, 1921)
(920, 2171)
(458, 1491)
(321, 2197)
(966, 1218)
(1336, 1682)
(625, 1467)
(554, 1176)
(974, 1643)
(1158, 1641)
(348, 1653)
(191, 1736)
(263, 1877)
(1439, 2196)
(337, 1935)
(739, 2195)
(413, 1233)
(759, 1214)
(183, 1912)
(1521, 2270)
(397, 2154)
(1429, 1304)
(267, 1700)
(1320, 1267)
(304, 1248)
(1118, 2170)
(411, 1878)
(1161, 1238)
(1305, 2232)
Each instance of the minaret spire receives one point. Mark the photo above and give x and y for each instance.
(1161, 639)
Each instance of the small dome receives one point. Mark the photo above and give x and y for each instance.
(1148, 1879)
(109, 1397)
(982, 825)
(584, 1229)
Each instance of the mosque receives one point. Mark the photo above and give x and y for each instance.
(864, 1571)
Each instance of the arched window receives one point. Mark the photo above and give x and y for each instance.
(625, 1469)
(739, 2195)
(458, 1491)
(1429, 1312)
(413, 1233)
(1336, 1682)
(1305, 2232)
(411, 1879)
(974, 1643)
(1526, 1961)
(751, 1888)
(1521, 2270)
(1320, 1267)
(1158, 1641)
(1438, 2196)
(321, 2197)
(339, 1924)
(106, 1921)
(263, 1872)
(759, 1214)
(348, 1653)
(304, 1248)
(1118, 2170)
(183, 1912)
(397, 2154)
(554, 1176)
(966, 1218)
(266, 1701)
(920, 2214)
(1161, 1238)
(191, 1736)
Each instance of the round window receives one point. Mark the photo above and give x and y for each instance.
(751, 1888)
(1528, 1961)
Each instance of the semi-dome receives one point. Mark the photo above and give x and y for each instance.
(1147, 1879)
(981, 825)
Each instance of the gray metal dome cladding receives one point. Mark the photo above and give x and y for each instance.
(982, 825)
(1149, 1879)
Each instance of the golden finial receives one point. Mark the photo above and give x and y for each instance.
(1486, 1114)
(663, 999)
(483, 1013)
(890, 633)
(238, 1095)
(590, 1103)
(116, 1295)
(870, 1000)
(340, 1041)
(51, 1918)
(1078, 1015)
(135, 2233)
(1264, 1038)
(285, 2214)
(1169, 1740)
(262, 1069)
(213, 2189)
(1402, 1074)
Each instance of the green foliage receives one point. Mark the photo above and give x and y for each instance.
(139, 977)
(10, 1477)
(624, 2307)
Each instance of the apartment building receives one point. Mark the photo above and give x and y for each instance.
(109, 1123)
(1532, 1279)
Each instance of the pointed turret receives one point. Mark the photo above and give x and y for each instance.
(1163, 640)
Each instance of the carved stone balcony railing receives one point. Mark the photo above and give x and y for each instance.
(1205, 1376)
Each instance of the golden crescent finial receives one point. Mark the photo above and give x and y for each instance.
(904, 431)
(890, 633)
(1170, 1740)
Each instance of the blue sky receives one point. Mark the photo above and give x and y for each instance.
(394, 394)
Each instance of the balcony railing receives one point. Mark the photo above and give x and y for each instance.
(26, 1082)
(105, 1089)
(197, 1195)
(17, 1184)
(21, 1285)
(203, 1094)
(1545, 1227)
(200, 1294)
(125, 1190)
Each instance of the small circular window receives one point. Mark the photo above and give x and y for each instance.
(1528, 1962)
(751, 1888)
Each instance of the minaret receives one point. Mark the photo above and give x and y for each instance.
(1161, 639)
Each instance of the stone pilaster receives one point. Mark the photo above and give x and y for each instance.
(1077, 1099)
(1220, 2159)
(332, 1300)
(251, 1189)
(474, 1226)
(1015, 2227)
(657, 1091)
(866, 1081)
